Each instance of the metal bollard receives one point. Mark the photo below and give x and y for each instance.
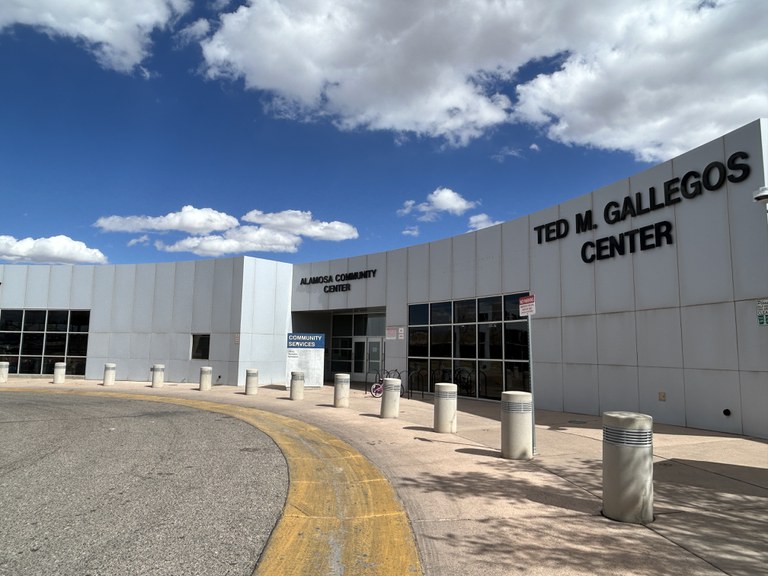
(109, 374)
(158, 375)
(251, 381)
(516, 425)
(297, 385)
(628, 467)
(206, 376)
(4, 367)
(390, 398)
(341, 391)
(446, 401)
(59, 372)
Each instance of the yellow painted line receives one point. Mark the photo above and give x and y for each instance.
(341, 515)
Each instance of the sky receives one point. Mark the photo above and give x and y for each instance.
(307, 130)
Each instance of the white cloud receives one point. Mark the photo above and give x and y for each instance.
(480, 221)
(507, 152)
(191, 220)
(116, 31)
(53, 250)
(140, 240)
(236, 241)
(653, 78)
(195, 32)
(302, 224)
(534, 147)
(443, 200)
(411, 231)
(407, 208)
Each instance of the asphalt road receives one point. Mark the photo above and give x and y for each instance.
(106, 486)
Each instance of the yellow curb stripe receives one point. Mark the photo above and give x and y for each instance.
(341, 515)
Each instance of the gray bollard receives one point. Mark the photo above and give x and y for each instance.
(341, 390)
(516, 425)
(206, 376)
(158, 375)
(446, 401)
(251, 381)
(297, 385)
(4, 367)
(59, 372)
(109, 374)
(390, 398)
(628, 467)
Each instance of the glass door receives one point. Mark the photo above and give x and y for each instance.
(367, 358)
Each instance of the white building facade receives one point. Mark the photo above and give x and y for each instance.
(647, 295)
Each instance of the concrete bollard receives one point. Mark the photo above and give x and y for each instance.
(158, 375)
(628, 467)
(446, 401)
(206, 376)
(341, 390)
(251, 381)
(390, 398)
(59, 372)
(297, 385)
(4, 367)
(109, 374)
(516, 425)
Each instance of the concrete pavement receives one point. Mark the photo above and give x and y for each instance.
(472, 512)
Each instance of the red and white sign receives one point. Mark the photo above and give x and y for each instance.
(527, 305)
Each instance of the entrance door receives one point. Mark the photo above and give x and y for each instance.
(367, 358)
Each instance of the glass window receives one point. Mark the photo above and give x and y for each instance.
(489, 341)
(418, 341)
(377, 325)
(49, 363)
(490, 383)
(512, 306)
(418, 375)
(342, 325)
(516, 340)
(32, 345)
(440, 371)
(76, 366)
(9, 343)
(13, 363)
(77, 345)
(34, 321)
(465, 341)
(55, 344)
(464, 311)
(10, 320)
(440, 341)
(464, 377)
(489, 309)
(201, 346)
(79, 320)
(418, 314)
(440, 313)
(58, 320)
(361, 324)
(31, 365)
(518, 376)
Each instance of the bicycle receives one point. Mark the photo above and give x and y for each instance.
(377, 388)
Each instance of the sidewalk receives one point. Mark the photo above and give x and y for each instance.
(474, 513)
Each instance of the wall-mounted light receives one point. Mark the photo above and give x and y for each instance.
(761, 195)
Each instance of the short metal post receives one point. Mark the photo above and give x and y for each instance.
(109, 374)
(4, 367)
(251, 381)
(341, 390)
(297, 385)
(158, 375)
(59, 371)
(446, 400)
(206, 376)
(516, 429)
(390, 398)
(628, 467)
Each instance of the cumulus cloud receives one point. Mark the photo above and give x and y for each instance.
(411, 231)
(507, 152)
(443, 200)
(195, 32)
(302, 223)
(190, 219)
(212, 233)
(654, 78)
(117, 32)
(480, 221)
(52, 250)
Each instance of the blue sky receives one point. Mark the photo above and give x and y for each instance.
(303, 130)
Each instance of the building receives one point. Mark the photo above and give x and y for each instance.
(647, 295)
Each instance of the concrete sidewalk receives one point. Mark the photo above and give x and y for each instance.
(474, 513)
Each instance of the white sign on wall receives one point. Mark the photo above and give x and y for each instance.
(305, 353)
(527, 305)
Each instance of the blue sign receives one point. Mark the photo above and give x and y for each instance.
(298, 340)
